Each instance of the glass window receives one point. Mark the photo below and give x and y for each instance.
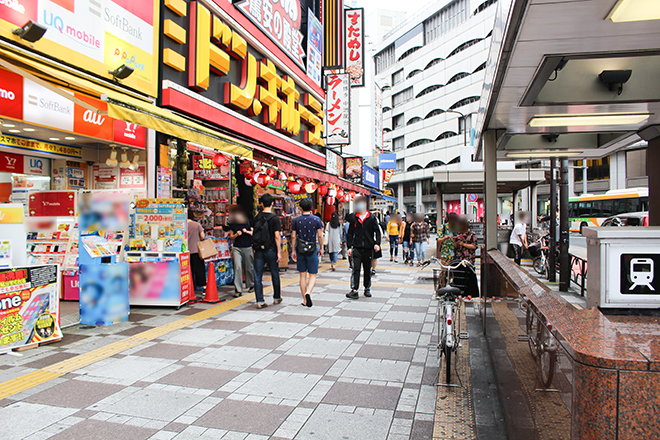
(397, 77)
(402, 97)
(397, 143)
(584, 209)
(397, 121)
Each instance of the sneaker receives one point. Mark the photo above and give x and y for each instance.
(352, 295)
(367, 293)
(373, 272)
(391, 258)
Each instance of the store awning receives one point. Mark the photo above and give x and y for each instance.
(121, 105)
(382, 196)
(322, 176)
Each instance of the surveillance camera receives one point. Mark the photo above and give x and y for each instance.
(613, 78)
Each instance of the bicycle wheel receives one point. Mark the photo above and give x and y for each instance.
(531, 326)
(538, 265)
(440, 326)
(448, 363)
(548, 361)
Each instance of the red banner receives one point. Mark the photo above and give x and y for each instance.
(52, 204)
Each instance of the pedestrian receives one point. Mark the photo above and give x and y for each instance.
(377, 254)
(393, 231)
(466, 249)
(347, 222)
(333, 237)
(344, 229)
(445, 242)
(518, 237)
(420, 236)
(363, 239)
(240, 231)
(197, 267)
(404, 237)
(267, 245)
(306, 232)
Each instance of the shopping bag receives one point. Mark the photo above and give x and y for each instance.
(207, 249)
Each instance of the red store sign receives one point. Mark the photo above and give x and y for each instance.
(354, 40)
(52, 204)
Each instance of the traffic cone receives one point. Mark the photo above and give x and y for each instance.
(211, 294)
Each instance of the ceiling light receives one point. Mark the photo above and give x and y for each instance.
(8, 125)
(121, 72)
(634, 10)
(30, 31)
(124, 159)
(112, 160)
(54, 139)
(615, 79)
(70, 138)
(28, 129)
(582, 119)
(14, 131)
(135, 165)
(543, 153)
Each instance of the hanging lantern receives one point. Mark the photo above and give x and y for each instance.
(310, 187)
(271, 172)
(330, 200)
(340, 193)
(283, 176)
(248, 182)
(253, 179)
(219, 160)
(352, 194)
(295, 187)
(332, 192)
(323, 190)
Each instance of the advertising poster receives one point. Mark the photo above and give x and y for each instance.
(204, 168)
(281, 21)
(354, 40)
(186, 277)
(155, 283)
(370, 177)
(160, 220)
(353, 169)
(224, 271)
(314, 47)
(103, 293)
(105, 177)
(97, 36)
(52, 204)
(338, 109)
(29, 306)
(387, 176)
(132, 179)
(387, 161)
(334, 163)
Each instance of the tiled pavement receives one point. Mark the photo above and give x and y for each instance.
(339, 370)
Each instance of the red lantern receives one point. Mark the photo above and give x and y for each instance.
(262, 179)
(330, 200)
(253, 179)
(352, 194)
(295, 187)
(283, 177)
(332, 192)
(323, 190)
(310, 187)
(219, 160)
(271, 172)
(340, 193)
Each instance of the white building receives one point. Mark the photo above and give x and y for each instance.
(431, 69)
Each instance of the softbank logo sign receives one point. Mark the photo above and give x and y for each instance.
(45, 107)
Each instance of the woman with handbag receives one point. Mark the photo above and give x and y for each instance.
(333, 239)
(195, 235)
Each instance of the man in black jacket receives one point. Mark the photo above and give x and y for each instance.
(362, 239)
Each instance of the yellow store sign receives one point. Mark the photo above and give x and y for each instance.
(42, 147)
(11, 214)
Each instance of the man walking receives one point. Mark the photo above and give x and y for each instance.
(266, 241)
(306, 231)
(518, 237)
(363, 239)
(420, 236)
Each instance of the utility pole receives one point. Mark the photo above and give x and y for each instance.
(564, 259)
(552, 252)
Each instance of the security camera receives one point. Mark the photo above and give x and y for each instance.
(614, 78)
(551, 138)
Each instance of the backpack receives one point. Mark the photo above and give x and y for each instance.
(261, 236)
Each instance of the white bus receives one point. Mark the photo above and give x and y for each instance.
(591, 210)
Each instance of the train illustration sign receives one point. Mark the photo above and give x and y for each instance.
(638, 274)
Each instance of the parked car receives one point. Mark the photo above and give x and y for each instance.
(628, 219)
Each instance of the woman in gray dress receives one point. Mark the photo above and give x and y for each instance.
(333, 232)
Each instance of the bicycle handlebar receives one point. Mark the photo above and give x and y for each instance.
(465, 263)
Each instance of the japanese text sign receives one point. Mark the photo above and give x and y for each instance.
(354, 169)
(354, 40)
(314, 47)
(338, 109)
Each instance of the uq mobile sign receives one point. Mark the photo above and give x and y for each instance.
(218, 64)
(96, 36)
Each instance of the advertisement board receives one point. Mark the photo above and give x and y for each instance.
(338, 109)
(334, 163)
(103, 293)
(156, 283)
(353, 169)
(97, 36)
(354, 40)
(52, 204)
(314, 47)
(204, 168)
(39, 146)
(29, 306)
(387, 161)
(370, 177)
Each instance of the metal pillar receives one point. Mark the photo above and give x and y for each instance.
(516, 205)
(653, 163)
(490, 190)
(552, 252)
(438, 203)
(534, 205)
(564, 259)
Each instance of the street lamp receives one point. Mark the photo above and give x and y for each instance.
(459, 124)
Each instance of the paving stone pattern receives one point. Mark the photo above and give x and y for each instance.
(340, 370)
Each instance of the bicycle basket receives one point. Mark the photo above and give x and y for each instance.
(457, 277)
(439, 280)
(535, 249)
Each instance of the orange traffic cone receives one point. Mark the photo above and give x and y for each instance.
(211, 294)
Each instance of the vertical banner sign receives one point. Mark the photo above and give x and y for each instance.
(378, 117)
(333, 39)
(280, 20)
(314, 47)
(387, 176)
(354, 40)
(338, 109)
(354, 169)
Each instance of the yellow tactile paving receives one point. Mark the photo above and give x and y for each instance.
(454, 410)
(551, 417)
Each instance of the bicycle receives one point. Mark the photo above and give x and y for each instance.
(542, 344)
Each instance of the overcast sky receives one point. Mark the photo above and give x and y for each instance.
(409, 6)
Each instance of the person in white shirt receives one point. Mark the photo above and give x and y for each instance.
(519, 237)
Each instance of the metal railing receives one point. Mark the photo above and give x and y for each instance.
(579, 272)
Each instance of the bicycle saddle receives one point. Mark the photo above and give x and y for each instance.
(449, 292)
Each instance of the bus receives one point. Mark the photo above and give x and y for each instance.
(591, 210)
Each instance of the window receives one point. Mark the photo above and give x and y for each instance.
(447, 135)
(397, 121)
(413, 73)
(428, 90)
(402, 97)
(480, 68)
(436, 112)
(458, 76)
(432, 63)
(484, 5)
(445, 19)
(414, 120)
(428, 187)
(464, 102)
(399, 165)
(397, 143)
(597, 169)
(385, 59)
(419, 142)
(457, 159)
(386, 88)
(386, 109)
(414, 168)
(386, 129)
(464, 46)
(409, 188)
(397, 77)
(409, 52)
(434, 164)
(636, 163)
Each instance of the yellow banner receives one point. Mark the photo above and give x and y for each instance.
(43, 147)
(11, 214)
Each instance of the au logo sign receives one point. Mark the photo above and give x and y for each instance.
(255, 87)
